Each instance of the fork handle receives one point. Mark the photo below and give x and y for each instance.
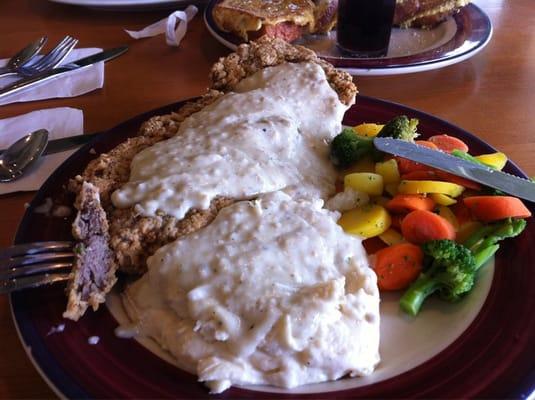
(4, 71)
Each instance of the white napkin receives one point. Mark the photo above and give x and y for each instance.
(60, 122)
(173, 33)
(69, 84)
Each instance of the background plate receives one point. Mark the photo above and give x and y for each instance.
(134, 5)
(411, 50)
(492, 357)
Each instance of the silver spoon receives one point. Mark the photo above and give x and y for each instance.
(21, 154)
(22, 57)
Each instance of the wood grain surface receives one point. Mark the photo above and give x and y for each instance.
(491, 95)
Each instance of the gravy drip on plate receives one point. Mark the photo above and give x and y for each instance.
(271, 292)
(272, 133)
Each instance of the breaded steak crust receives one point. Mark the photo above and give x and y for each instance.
(134, 237)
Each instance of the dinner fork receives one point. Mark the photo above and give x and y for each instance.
(35, 264)
(50, 60)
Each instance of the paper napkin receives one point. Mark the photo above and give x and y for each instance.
(60, 122)
(69, 84)
(175, 27)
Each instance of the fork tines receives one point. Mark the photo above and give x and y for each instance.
(34, 264)
(55, 56)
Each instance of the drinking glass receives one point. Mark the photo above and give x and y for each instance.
(364, 26)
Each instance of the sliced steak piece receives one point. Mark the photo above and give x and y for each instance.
(93, 273)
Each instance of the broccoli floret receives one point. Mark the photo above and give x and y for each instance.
(453, 267)
(348, 147)
(451, 274)
(400, 127)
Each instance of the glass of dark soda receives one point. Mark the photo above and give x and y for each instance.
(364, 26)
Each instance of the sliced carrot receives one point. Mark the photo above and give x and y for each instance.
(462, 213)
(373, 245)
(427, 143)
(396, 220)
(398, 265)
(467, 183)
(422, 175)
(405, 166)
(448, 143)
(493, 208)
(404, 203)
(421, 226)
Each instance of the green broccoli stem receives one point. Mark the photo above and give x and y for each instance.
(467, 157)
(414, 297)
(489, 235)
(484, 255)
(475, 238)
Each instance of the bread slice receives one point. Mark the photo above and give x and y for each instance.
(284, 19)
(248, 19)
(425, 13)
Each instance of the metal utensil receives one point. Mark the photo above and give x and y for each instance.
(66, 143)
(22, 154)
(34, 264)
(23, 56)
(50, 60)
(105, 55)
(507, 183)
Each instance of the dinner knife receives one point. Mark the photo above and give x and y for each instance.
(505, 182)
(104, 55)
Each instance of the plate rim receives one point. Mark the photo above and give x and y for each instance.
(73, 390)
(121, 4)
(393, 65)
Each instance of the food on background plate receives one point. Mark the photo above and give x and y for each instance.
(285, 19)
(425, 13)
(219, 206)
(290, 20)
(437, 229)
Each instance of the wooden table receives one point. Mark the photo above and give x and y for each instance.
(491, 95)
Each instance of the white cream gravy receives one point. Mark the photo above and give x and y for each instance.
(271, 134)
(271, 292)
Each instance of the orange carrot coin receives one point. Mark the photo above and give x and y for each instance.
(494, 208)
(404, 203)
(448, 143)
(421, 226)
(398, 265)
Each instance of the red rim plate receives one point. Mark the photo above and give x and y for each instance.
(494, 357)
(474, 31)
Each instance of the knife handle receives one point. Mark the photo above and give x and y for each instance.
(30, 81)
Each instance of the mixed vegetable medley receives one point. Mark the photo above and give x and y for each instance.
(435, 229)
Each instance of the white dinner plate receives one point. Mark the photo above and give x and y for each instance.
(129, 4)
(410, 50)
(481, 347)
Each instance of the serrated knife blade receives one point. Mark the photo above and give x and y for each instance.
(505, 182)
